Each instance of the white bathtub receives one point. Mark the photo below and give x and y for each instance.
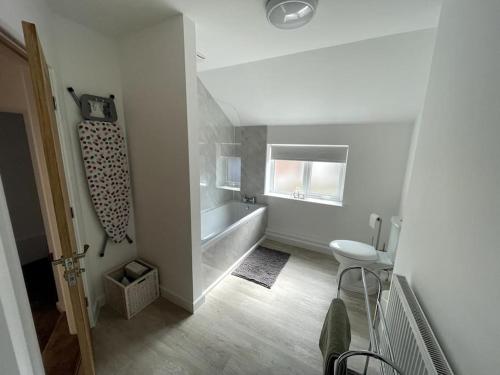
(229, 233)
(223, 219)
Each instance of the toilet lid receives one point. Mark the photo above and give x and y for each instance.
(354, 250)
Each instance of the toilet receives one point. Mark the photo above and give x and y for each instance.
(359, 254)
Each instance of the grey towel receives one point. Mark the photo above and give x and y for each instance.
(335, 336)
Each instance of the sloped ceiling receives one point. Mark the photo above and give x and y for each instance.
(380, 80)
(231, 32)
(357, 61)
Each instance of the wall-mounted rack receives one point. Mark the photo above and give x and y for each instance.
(95, 108)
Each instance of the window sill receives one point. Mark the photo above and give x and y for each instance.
(232, 188)
(306, 200)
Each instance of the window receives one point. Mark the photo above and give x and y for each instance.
(308, 172)
(288, 176)
(231, 172)
(228, 166)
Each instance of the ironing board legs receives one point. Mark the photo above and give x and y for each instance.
(104, 244)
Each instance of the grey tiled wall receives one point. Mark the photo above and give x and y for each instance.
(253, 141)
(215, 128)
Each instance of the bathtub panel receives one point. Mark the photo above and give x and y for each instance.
(219, 219)
(231, 246)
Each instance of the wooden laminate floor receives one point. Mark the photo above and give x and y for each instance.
(42, 294)
(62, 353)
(243, 328)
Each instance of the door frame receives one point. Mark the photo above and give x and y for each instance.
(23, 341)
(63, 303)
(70, 166)
(27, 108)
(61, 206)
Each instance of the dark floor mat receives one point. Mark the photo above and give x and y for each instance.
(262, 266)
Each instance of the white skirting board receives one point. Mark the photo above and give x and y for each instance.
(306, 243)
(190, 306)
(96, 309)
(172, 297)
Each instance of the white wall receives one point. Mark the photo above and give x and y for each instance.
(449, 243)
(409, 166)
(12, 12)
(160, 94)
(193, 119)
(374, 179)
(90, 62)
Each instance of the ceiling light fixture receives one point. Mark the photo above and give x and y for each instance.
(290, 14)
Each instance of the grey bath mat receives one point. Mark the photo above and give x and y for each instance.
(262, 266)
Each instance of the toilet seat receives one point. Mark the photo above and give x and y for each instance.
(354, 250)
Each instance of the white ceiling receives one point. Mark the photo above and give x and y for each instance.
(380, 80)
(232, 32)
(357, 61)
(114, 17)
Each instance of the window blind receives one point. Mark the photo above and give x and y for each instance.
(324, 153)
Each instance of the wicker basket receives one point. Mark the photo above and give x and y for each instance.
(129, 300)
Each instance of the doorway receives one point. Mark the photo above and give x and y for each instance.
(37, 210)
(27, 223)
(18, 176)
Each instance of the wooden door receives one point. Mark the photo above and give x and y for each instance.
(59, 191)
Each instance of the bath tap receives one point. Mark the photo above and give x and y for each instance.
(247, 199)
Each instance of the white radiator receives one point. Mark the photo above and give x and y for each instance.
(415, 348)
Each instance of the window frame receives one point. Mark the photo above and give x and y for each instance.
(222, 175)
(306, 180)
(227, 182)
(272, 175)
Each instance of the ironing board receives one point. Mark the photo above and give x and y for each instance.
(104, 153)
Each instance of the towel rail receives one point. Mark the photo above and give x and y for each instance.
(371, 322)
(365, 353)
(374, 345)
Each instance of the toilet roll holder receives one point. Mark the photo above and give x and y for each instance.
(379, 221)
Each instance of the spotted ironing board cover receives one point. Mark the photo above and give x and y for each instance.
(104, 152)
